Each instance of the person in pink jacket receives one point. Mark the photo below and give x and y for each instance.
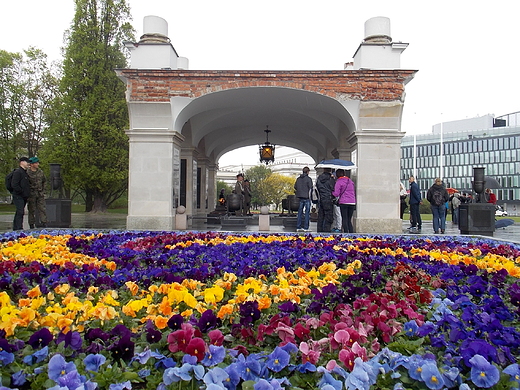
(346, 192)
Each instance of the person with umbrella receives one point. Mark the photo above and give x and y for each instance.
(345, 191)
(491, 197)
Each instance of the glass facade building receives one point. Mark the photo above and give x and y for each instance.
(454, 148)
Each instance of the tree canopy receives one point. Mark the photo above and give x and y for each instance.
(28, 85)
(89, 118)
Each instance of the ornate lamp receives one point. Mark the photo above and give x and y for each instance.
(267, 149)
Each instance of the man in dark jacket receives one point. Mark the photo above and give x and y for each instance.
(438, 196)
(21, 192)
(415, 201)
(303, 187)
(325, 185)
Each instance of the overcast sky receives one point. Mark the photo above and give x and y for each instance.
(466, 52)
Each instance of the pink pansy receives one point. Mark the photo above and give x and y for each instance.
(360, 351)
(301, 331)
(216, 337)
(346, 356)
(309, 353)
(331, 365)
(342, 337)
(375, 347)
(179, 340)
(313, 323)
(286, 333)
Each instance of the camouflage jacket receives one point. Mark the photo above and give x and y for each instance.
(37, 182)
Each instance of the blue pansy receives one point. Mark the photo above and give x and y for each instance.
(59, 367)
(277, 360)
(18, 378)
(214, 355)
(6, 358)
(121, 386)
(328, 379)
(71, 380)
(93, 361)
(410, 328)
(249, 368)
(37, 357)
(513, 370)
(431, 376)
(165, 363)
(215, 376)
(145, 372)
(483, 373)
(263, 384)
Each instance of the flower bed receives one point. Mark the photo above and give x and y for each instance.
(161, 310)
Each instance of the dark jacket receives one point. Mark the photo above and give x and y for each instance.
(20, 183)
(415, 194)
(325, 185)
(437, 195)
(303, 186)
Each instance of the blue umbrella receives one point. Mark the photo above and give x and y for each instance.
(336, 164)
(503, 223)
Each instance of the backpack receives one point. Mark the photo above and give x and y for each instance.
(8, 180)
(314, 195)
(437, 197)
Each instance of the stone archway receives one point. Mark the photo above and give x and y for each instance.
(182, 121)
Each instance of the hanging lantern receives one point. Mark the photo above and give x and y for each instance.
(267, 149)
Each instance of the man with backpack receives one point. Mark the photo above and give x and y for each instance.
(438, 196)
(21, 190)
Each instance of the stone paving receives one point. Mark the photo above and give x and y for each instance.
(118, 222)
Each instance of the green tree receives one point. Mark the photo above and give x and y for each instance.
(87, 126)
(257, 176)
(278, 187)
(28, 85)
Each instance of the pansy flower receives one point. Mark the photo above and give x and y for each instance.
(483, 373)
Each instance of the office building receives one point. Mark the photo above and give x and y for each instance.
(454, 148)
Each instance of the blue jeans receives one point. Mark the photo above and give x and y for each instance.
(304, 204)
(439, 217)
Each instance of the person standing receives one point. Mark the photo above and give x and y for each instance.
(239, 189)
(345, 191)
(303, 187)
(247, 197)
(21, 191)
(403, 195)
(491, 197)
(415, 201)
(438, 196)
(325, 185)
(36, 201)
(455, 203)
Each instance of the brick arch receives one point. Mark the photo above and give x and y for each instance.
(363, 85)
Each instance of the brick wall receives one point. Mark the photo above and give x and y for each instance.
(364, 85)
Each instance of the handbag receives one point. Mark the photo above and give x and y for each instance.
(335, 200)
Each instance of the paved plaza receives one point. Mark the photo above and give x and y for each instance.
(118, 222)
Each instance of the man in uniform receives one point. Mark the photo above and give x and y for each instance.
(36, 202)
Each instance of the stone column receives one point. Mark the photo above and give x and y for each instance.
(376, 150)
(211, 170)
(151, 200)
(190, 154)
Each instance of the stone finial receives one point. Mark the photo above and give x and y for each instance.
(155, 30)
(377, 30)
